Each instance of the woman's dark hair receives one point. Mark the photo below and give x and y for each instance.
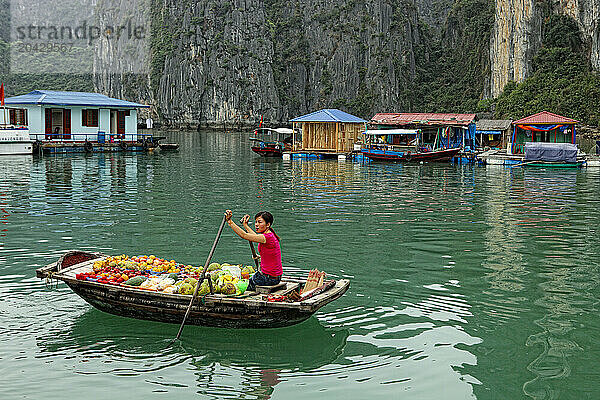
(268, 218)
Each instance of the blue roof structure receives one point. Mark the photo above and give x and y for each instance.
(55, 98)
(329, 115)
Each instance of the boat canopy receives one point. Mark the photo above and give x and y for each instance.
(283, 131)
(379, 132)
(554, 152)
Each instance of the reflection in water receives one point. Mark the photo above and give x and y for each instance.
(14, 181)
(258, 356)
(465, 281)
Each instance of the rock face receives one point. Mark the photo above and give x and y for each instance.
(233, 61)
(517, 35)
(215, 61)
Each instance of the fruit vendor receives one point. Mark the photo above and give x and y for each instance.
(268, 247)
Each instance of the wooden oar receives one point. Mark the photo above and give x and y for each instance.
(202, 277)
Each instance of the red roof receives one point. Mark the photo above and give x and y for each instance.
(422, 119)
(545, 117)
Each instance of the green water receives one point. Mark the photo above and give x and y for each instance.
(466, 282)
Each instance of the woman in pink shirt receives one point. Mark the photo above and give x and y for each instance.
(268, 247)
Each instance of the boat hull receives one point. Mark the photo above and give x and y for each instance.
(15, 141)
(16, 147)
(268, 151)
(217, 310)
(545, 164)
(153, 306)
(439, 155)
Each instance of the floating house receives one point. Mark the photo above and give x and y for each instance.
(77, 121)
(543, 127)
(438, 130)
(327, 132)
(492, 133)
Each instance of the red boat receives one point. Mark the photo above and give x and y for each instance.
(270, 142)
(403, 145)
(408, 156)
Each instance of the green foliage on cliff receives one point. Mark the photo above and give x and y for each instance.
(161, 43)
(562, 81)
(452, 71)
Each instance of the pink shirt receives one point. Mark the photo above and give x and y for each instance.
(270, 256)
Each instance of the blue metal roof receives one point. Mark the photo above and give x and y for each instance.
(329, 115)
(54, 98)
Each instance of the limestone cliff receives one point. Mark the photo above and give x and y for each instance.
(215, 61)
(517, 35)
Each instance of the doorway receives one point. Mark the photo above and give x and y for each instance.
(57, 123)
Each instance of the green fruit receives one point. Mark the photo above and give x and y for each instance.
(204, 289)
(186, 288)
(213, 267)
(229, 288)
(191, 281)
(135, 281)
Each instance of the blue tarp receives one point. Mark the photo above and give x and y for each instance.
(55, 98)
(329, 115)
(540, 151)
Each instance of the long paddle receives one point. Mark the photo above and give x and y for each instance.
(212, 250)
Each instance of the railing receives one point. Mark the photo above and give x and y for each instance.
(91, 137)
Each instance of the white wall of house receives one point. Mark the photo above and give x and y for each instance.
(131, 122)
(104, 121)
(36, 116)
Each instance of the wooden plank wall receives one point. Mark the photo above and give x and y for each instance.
(330, 136)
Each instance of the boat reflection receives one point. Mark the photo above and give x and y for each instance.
(257, 356)
(304, 346)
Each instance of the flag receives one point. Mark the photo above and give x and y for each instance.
(2, 95)
(259, 124)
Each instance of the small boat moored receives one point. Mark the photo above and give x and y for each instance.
(403, 145)
(250, 310)
(269, 142)
(15, 140)
(552, 155)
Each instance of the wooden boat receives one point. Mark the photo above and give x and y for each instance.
(169, 146)
(15, 140)
(405, 146)
(252, 311)
(551, 164)
(408, 156)
(270, 142)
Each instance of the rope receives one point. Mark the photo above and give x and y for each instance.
(48, 283)
(203, 299)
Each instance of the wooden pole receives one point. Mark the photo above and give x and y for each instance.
(202, 277)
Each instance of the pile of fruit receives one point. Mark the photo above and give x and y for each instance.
(153, 273)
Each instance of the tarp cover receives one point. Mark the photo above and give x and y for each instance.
(565, 152)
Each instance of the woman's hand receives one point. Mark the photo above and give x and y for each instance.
(228, 215)
(245, 219)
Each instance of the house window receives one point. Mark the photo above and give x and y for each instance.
(89, 117)
(18, 117)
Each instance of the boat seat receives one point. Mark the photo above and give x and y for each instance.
(270, 289)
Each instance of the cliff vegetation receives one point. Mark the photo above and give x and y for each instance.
(562, 82)
(220, 60)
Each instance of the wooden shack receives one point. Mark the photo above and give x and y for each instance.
(327, 131)
(542, 127)
(492, 133)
